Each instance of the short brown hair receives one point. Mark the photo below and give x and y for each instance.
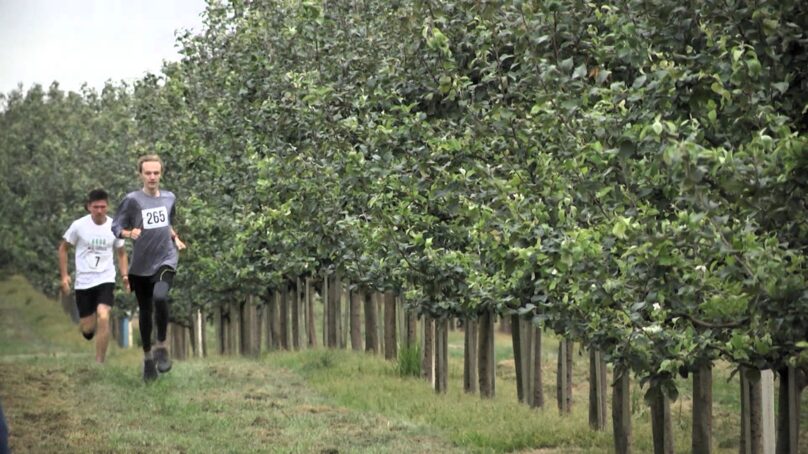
(148, 158)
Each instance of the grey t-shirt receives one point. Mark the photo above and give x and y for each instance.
(155, 216)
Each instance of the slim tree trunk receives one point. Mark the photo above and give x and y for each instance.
(218, 323)
(371, 333)
(702, 410)
(295, 301)
(427, 360)
(505, 325)
(390, 326)
(526, 359)
(335, 321)
(356, 320)
(537, 384)
(470, 377)
(487, 361)
(788, 418)
(378, 299)
(597, 390)
(174, 337)
(203, 334)
(235, 328)
(621, 411)
(441, 355)
(751, 412)
(411, 322)
(516, 342)
(284, 315)
(661, 426)
(249, 328)
(345, 308)
(564, 377)
(277, 301)
(324, 294)
(311, 330)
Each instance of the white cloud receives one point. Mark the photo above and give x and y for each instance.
(77, 41)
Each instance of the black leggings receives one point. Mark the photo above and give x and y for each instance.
(152, 300)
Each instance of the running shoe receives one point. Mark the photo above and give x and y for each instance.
(163, 360)
(149, 370)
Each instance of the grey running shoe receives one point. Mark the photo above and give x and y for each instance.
(163, 361)
(149, 370)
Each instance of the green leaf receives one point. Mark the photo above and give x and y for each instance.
(566, 64)
(619, 228)
(579, 72)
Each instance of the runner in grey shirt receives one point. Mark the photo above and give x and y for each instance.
(147, 217)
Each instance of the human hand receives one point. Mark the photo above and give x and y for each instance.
(180, 245)
(65, 284)
(134, 233)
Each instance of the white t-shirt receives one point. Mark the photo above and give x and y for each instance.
(94, 251)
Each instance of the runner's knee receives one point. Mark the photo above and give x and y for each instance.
(103, 312)
(160, 294)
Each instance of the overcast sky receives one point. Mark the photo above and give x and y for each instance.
(77, 41)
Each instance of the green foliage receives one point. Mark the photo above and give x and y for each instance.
(632, 175)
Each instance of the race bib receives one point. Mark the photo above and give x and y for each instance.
(96, 261)
(155, 217)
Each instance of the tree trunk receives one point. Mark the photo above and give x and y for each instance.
(235, 328)
(379, 302)
(505, 325)
(218, 323)
(249, 329)
(516, 342)
(277, 320)
(470, 377)
(788, 418)
(335, 321)
(295, 301)
(197, 334)
(487, 361)
(345, 307)
(564, 377)
(597, 390)
(411, 323)
(751, 412)
(176, 340)
(427, 360)
(356, 320)
(284, 316)
(311, 329)
(390, 346)
(661, 426)
(441, 355)
(371, 333)
(702, 410)
(536, 386)
(621, 411)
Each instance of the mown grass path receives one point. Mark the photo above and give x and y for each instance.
(57, 399)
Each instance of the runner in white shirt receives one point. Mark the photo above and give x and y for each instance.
(94, 241)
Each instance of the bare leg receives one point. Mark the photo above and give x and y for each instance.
(102, 333)
(87, 326)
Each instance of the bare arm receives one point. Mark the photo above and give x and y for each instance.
(123, 267)
(180, 245)
(64, 246)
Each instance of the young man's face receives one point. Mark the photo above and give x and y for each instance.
(98, 211)
(150, 172)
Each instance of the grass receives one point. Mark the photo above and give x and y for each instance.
(57, 400)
